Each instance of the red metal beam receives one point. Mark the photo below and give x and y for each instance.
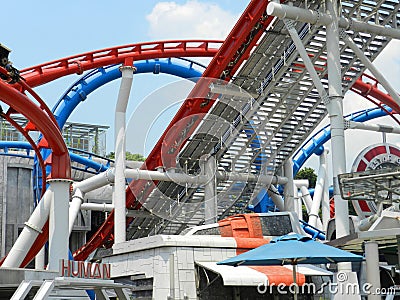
(22, 104)
(367, 86)
(41, 74)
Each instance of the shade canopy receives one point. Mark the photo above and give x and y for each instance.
(292, 249)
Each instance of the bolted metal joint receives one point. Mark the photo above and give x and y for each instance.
(289, 24)
(346, 124)
(325, 99)
(343, 34)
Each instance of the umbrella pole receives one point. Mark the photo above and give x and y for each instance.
(294, 281)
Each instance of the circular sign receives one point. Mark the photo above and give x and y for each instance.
(374, 157)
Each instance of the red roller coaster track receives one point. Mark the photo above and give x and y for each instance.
(226, 61)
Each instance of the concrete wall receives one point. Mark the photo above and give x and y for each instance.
(154, 257)
(16, 196)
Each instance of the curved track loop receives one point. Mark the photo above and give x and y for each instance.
(367, 86)
(47, 72)
(43, 123)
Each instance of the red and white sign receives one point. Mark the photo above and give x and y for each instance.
(374, 157)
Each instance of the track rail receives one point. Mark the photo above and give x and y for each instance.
(44, 73)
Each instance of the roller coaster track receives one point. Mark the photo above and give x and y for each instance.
(229, 59)
(77, 64)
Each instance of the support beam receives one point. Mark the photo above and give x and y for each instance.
(182, 178)
(365, 60)
(289, 187)
(276, 198)
(317, 17)
(318, 193)
(74, 208)
(371, 127)
(120, 150)
(104, 207)
(58, 222)
(372, 260)
(325, 205)
(209, 167)
(335, 112)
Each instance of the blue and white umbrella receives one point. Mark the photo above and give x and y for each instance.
(292, 249)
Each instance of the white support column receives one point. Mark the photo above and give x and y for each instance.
(120, 150)
(74, 208)
(305, 194)
(325, 205)
(308, 203)
(364, 59)
(318, 192)
(289, 204)
(210, 192)
(276, 198)
(372, 127)
(58, 222)
(40, 259)
(335, 111)
(298, 202)
(334, 106)
(372, 260)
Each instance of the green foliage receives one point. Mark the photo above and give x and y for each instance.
(307, 173)
(129, 156)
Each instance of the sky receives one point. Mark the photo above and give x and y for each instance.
(41, 31)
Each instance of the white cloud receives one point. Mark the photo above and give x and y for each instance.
(191, 20)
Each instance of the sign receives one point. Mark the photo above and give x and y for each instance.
(83, 269)
(374, 157)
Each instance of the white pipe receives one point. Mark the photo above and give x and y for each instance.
(209, 167)
(313, 17)
(301, 182)
(182, 178)
(289, 190)
(325, 205)
(95, 182)
(306, 198)
(366, 223)
(58, 222)
(104, 207)
(276, 197)
(30, 232)
(306, 59)
(308, 203)
(378, 75)
(318, 191)
(372, 259)
(298, 202)
(74, 207)
(40, 259)
(120, 151)
(335, 112)
(372, 127)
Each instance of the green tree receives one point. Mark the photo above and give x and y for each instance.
(129, 156)
(307, 173)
